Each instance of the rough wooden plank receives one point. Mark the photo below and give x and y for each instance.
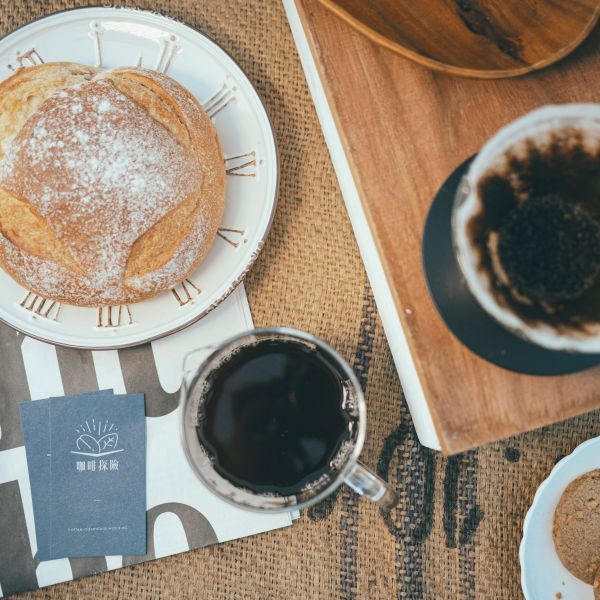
(405, 128)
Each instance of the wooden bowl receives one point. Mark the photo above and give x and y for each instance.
(474, 38)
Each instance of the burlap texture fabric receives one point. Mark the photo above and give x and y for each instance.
(457, 530)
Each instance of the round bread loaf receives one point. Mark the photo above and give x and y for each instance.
(576, 528)
(112, 183)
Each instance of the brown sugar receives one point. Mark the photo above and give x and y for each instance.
(576, 527)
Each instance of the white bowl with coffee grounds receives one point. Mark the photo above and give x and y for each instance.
(526, 227)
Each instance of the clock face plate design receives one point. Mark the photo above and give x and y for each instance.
(116, 37)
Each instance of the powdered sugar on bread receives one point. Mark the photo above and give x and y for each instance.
(101, 172)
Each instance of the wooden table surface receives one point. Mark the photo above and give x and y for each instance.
(405, 129)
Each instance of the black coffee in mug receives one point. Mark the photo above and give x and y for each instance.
(273, 417)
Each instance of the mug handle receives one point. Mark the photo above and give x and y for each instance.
(372, 487)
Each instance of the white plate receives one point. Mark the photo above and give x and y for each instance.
(117, 37)
(542, 573)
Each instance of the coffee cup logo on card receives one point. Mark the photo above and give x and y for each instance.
(97, 438)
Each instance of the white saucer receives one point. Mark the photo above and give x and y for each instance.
(116, 37)
(542, 573)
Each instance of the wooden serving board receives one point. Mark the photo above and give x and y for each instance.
(405, 129)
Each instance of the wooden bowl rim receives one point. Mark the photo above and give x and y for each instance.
(443, 67)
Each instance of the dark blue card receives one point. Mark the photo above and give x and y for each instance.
(95, 474)
(35, 420)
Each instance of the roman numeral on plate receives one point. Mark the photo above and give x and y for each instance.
(222, 98)
(27, 59)
(184, 292)
(242, 165)
(168, 50)
(114, 316)
(38, 305)
(95, 34)
(233, 237)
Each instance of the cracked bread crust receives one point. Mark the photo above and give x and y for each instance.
(112, 183)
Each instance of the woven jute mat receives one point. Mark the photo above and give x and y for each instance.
(457, 530)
